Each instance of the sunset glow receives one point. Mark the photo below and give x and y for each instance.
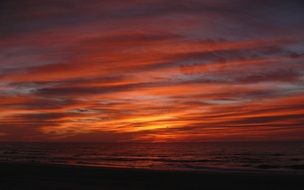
(128, 70)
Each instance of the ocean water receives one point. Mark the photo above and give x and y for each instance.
(164, 156)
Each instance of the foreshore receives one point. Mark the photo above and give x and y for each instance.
(63, 177)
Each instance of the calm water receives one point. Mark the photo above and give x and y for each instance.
(172, 156)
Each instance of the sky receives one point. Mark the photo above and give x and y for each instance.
(151, 70)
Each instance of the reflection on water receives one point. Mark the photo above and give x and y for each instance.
(172, 156)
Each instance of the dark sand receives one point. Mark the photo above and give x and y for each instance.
(25, 176)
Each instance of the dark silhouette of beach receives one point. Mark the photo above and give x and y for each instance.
(45, 177)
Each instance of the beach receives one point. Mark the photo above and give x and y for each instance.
(151, 95)
(62, 177)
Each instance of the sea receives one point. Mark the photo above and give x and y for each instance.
(254, 156)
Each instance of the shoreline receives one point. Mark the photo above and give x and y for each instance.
(46, 176)
(201, 170)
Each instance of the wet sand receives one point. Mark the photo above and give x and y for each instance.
(59, 177)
